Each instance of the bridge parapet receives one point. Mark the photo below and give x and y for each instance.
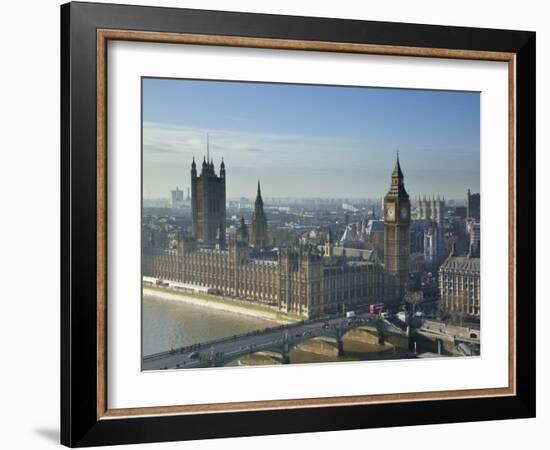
(280, 339)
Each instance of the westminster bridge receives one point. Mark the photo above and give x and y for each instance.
(280, 339)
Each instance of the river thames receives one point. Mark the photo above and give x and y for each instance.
(172, 324)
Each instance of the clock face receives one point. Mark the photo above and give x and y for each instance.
(404, 212)
(390, 212)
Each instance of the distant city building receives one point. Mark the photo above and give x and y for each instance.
(431, 209)
(459, 285)
(457, 237)
(349, 207)
(460, 212)
(473, 230)
(473, 206)
(418, 229)
(435, 247)
(177, 197)
(314, 237)
(158, 232)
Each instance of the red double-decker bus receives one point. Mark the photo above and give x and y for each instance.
(376, 308)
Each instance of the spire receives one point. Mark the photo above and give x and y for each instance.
(259, 203)
(207, 148)
(193, 168)
(222, 169)
(397, 186)
(397, 169)
(258, 224)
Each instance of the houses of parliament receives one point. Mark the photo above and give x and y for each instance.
(304, 279)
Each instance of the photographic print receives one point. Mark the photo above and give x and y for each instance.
(298, 199)
(294, 223)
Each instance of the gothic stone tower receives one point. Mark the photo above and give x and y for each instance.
(397, 213)
(208, 201)
(258, 225)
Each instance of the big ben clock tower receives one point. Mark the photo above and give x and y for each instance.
(397, 218)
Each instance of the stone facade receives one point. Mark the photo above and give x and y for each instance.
(208, 201)
(298, 280)
(397, 217)
(459, 285)
(431, 209)
(309, 280)
(435, 248)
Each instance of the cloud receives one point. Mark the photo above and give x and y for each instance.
(326, 165)
(163, 142)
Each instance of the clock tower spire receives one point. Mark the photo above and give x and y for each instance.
(397, 217)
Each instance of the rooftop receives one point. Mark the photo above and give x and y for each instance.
(461, 263)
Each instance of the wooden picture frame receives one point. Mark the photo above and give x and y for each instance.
(86, 418)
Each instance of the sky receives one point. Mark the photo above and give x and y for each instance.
(310, 140)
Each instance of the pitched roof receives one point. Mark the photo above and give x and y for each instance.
(347, 236)
(374, 226)
(461, 263)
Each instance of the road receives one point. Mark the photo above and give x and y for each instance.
(200, 354)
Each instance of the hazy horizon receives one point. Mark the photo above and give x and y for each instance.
(310, 141)
(295, 198)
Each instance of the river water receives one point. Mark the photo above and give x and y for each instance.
(170, 323)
